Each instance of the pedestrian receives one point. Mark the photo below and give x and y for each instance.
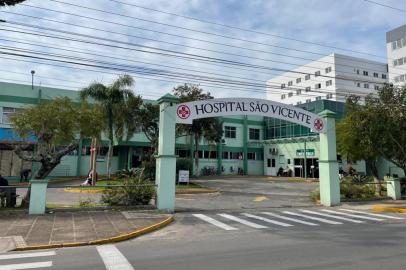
(24, 175)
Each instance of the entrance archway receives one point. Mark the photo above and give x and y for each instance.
(172, 113)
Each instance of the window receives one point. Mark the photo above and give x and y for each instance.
(230, 132)
(397, 79)
(394, 45)
(329, 83)
(329, 95)
(328, 70)
(398, 44)
(318, 98)
(254, 133)
(402, 78)
(290, 94)
(307, 89)
(298, 80)
(298, 92)
(365, 73)
(366, 85)
(317, 73)
(236, 155)
(7, 112)
(225, 155)
(182, 153)
(251, 156)
(308, 100)
(383, 76)
(376, 75)
(358, 71)
(283, 85)
(307, 77)
(283, 96)
(290, 83)
(317, 86)
(271, 163)
(395, 62)
(376, 87)
(400, 61)
(298, 103)
(358, 84)
(210, 154)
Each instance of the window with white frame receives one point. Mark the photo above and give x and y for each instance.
(328, 70)
(254, 134)
(7, 112)
(365, 73)
(358, 84)
(290, 83)
(307, 89)
(230, 132)
(298, 91)
(376, 75)
(317, 73)
(307, 77)
(283, 96)
(298, 80)
(290, 94)
(329, 83)
(317, 86)
(329, 96)
(376, 87)
(308, 100)
(383, 76)
(366, 85)
(318, 98)
(298, 103)
(283, 85)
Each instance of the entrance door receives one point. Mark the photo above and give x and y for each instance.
(271, 167)
(298, 167)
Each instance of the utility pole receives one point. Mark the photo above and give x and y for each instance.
(305, 160)
(32, 79)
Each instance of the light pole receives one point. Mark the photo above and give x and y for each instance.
(32, 79)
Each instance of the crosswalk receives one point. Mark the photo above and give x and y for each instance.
(29, 260)
(291, 218)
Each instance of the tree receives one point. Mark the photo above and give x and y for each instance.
(149, 121)
(210, 129)
(58, 125)
(377, 128)
(10, 2)
(115, 99)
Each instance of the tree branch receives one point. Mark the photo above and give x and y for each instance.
(18, 150)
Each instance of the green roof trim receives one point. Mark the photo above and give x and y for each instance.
(168, 98)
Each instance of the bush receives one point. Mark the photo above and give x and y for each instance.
(184, 164)
(134, 191)
(315, 195)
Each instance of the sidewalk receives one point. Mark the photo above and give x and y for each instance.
(21, 232)
(379, 206)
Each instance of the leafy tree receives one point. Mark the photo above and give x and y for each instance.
(148, 118)
(377, 128)
(210, 129)
(119, 106)
(58, 125)
(10, 2)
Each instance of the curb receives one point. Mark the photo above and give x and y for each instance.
(388, 209)
(197, 191)
(181, 191)
(119, 238)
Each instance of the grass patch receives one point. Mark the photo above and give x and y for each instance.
(185, 186)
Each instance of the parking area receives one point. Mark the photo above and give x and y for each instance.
(248, 193)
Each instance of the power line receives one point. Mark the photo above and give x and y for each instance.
(199, 48)
(379, 4)
(242, 29)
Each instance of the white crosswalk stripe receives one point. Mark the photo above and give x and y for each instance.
(352, 215)
(242, 221)
(19, 266)
(215, 222)
(268, 220)
(27, 265)
(113, 259)
(371, 214)
(290, 219)
(313, 218)
(331, 216)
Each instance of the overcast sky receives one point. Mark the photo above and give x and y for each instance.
(149, 36)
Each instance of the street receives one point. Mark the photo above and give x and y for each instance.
(245, 233)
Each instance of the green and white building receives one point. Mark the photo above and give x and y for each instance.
(252, 145)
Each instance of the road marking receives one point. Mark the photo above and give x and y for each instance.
(314, 218)
(352, 215)
(290, 219)
(268, 220)
(243, 221)
(26, 255)
(260, 199)
(332, 216)
(215, 222)
(371, 214)
(19, 266)
(113, 259)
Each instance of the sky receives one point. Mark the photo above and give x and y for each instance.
(78, 42)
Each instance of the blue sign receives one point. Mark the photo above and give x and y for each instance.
(8, 135)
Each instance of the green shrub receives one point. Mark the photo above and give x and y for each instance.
(315, 195)
(184, 164)
(357, 188)
(134, 191)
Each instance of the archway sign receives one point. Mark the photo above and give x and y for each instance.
(172, 113)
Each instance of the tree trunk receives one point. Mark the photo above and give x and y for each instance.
(46, 168)
(374, 170)
(111, 138)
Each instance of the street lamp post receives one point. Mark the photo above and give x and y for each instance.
(32, 79)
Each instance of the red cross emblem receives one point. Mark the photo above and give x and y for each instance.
(318, 124)
(183, 112)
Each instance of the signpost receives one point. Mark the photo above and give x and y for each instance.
(183, 176)
(309, 152)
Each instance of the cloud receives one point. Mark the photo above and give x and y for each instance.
(354, 25)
